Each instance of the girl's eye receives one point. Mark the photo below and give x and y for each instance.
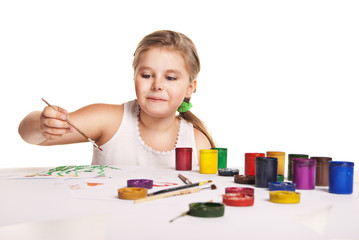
(171, 78)
(146, 75)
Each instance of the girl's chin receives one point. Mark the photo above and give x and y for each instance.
(159, 112)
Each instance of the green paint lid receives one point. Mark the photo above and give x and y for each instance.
(206, 209)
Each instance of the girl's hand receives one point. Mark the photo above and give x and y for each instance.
(53, 122)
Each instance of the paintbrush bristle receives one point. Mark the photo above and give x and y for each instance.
(213, 187)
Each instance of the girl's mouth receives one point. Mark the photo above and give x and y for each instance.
(155, 99)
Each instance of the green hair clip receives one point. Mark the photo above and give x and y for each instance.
(185, 107)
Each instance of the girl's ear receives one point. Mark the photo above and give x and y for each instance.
(191, 88)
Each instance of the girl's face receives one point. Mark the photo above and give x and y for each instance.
(162, 81)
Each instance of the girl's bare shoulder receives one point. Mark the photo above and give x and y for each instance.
(102, 111)
(201, 140)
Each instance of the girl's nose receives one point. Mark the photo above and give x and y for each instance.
(157, 84)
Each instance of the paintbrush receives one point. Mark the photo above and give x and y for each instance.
(174, 193)
(185, 213)
(179, 188)
(184, 179)
(77, 129)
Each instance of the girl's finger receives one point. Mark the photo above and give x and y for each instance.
(55, 123)
(54, 133)
(55, 112)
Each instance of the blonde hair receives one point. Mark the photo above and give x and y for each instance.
(181, 43)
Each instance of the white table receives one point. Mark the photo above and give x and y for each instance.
(65, 208)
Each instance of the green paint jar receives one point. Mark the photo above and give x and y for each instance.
(206, 209)
(222, 157)
(290, 163)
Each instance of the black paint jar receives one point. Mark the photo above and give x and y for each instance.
(266, 171)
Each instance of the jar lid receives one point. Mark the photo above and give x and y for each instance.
(245, 190)
(228, 171)
(206, 209)
(238, 199)
(275, 153)
(254, 154)
(266, 159)
(220, 149)
(244, 179)
(297, 155)
(304, 160)
(284, 197)
(322, 159)
(281, 186)
(132, 193)
(208, 151)
(182, 149)
(140, 183)
(341, 164)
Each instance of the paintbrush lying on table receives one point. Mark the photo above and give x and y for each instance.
(184, 179)
(185, 213)
(174, 193)
(179, 188)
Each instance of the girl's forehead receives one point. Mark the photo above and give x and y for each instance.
(162, 58)
(163, 52)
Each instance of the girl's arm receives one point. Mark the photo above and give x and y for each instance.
(49, 127)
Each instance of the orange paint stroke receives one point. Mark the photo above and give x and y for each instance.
(94, 184)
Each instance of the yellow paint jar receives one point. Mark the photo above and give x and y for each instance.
(284, 197)
(132, 193)
(208, 161)
(281, 160)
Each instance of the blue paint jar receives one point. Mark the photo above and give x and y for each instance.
(266, 171)
(341, 177)
(281, 186)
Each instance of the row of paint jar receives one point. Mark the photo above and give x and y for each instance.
(306, 173)
(210, 160)
(339, 174)
(322, 167)
(250, 161)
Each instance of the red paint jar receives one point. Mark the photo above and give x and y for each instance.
(243, 190)
(184, 159)
(238, 199)
(250, 164)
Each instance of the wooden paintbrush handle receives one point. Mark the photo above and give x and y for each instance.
(169, 194)
(77, 129)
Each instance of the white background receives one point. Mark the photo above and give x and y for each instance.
(276, 75)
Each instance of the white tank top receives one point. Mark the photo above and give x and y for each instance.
(126, 147)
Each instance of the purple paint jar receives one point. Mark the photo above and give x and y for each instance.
(304, 173)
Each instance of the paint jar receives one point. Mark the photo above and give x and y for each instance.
(281, 160)
(208, 161)
(281, 186)
(304, 173)
(184, 159)
(250, 163)
(290, 163)
(322, 171)
(222, 157)
(280, 178)
(341, 177)
(266, 171)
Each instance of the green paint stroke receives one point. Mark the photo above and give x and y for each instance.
(60, 171)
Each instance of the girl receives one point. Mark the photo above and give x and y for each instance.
(144, 131)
